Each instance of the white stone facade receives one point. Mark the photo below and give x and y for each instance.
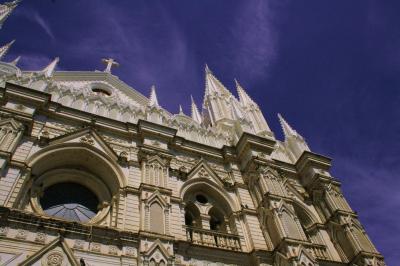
(212, 188)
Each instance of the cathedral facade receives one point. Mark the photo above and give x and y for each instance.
(95, 173)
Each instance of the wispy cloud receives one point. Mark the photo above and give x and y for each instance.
(35, 17)
(256, 40)
(43, 24)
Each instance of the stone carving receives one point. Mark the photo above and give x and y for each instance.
(96, 247)
(22, 234)
(130, 251)
(40, 237)
(3, 231)
(112, 250)
(87, 139)
(54, 258)
(78, 244)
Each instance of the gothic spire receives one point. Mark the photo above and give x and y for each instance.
(50, 68)
(4, 49)
(195, 111)
(153, 97)
(288, 131)
(15, 61)
(293, 140)
(244, 98)
(181, 110)
(6, 9)
(213, 84)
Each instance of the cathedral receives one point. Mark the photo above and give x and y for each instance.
(95, 173)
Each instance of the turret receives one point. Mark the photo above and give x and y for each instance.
(294, 142)
(253, 113)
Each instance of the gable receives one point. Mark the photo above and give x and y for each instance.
(203, 170)
(57, 252)
(87, 136)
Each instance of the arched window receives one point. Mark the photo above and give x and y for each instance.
(217, 220)
(291, 227)
(192, 216)
(156, 218)
(69, 201)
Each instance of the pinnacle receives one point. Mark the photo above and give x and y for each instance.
(50, 68)
(195, 112)
(153, 97)
(4, 49)
(287, 129)
(15, 61)
(244, 98)
(207, 69)
(6, 9)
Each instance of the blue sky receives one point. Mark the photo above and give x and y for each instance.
(332, 68)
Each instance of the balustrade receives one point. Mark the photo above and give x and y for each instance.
(212, 238)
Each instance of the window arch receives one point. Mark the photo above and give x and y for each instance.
(156, 218)
(83, 168)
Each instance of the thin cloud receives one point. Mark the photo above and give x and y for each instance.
(44, 25)
(255, 38)
(35, 17)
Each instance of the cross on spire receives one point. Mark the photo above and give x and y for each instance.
(109, 62)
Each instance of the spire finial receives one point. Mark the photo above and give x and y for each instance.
(4, 49)
(15, 61)
(6, 9)
(50, 68)
(287, 129)
(244, 98)
(195, 111)
(207, 69)
(180, 110)
(109, 62)
(153, 97)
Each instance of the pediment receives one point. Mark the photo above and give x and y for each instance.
(156, 159)
(57, 252)
(158, 251)
(12, 123)
(156, 197)
(86, 136)
(203, 170)
(306, 257)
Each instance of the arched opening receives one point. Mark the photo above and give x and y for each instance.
(217, 220)
(156, 218)
(192, 216)
(209, 215)
(73, 182)
(80, 204)
(306, 221)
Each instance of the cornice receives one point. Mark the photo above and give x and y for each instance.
(309, 159)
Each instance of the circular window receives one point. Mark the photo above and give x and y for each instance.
(69, 201)
(201, 198)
